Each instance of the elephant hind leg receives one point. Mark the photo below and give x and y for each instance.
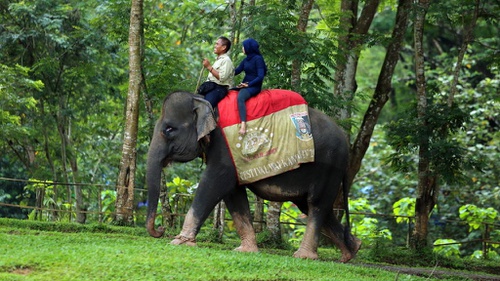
(238, 206)
(246, 232)
(348, 244)
(354, 244)
(309, 246)
(303, 253)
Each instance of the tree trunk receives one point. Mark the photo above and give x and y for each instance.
(345, 73)
(305, 11)
(348, 10)
(63, 128)
(219, 215)
(55, 195)
(468, 36)
(273, 220)
(39, 198)
(258, 215)
(72, 159)
(426, 182)
(169, 214)
(148, 104)
(80, 208)
(126, 178)
(233, 15)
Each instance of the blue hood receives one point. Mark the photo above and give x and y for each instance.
(251, 48)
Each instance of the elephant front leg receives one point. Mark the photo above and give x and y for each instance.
(238, 207)
(189, 231)
(246, 232)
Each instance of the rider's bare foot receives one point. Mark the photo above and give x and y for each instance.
(243, 128)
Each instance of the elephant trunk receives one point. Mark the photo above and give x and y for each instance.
(153, 179)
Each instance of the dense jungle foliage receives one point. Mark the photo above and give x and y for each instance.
(63, 87)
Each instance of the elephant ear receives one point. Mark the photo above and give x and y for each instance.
(205, 116)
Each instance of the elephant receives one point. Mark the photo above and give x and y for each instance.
(186, 130)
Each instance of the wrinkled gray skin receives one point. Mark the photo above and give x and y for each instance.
(313, 187)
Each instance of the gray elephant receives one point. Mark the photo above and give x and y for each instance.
(186, 130)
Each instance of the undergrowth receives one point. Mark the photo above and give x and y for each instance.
(383, 251)
(266, 239)
(67, 227)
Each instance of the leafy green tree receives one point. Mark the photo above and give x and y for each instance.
(434, 124)
(447, 247)
(284, 45)
(52, 39)
(13, 192)
(16, 98)
(404, 209)
(365, 227)
(481, 221)
(477, 217)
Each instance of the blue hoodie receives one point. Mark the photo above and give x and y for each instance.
(254, 66)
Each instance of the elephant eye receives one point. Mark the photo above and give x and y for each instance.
(168, 130)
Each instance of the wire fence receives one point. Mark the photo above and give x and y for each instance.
(100, 200)
(99, 203)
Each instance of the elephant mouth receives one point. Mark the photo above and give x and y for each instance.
(165, 162)
(185, 154)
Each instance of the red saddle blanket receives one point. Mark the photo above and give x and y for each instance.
(278, 137)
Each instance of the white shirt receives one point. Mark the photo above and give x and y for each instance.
(225, 67)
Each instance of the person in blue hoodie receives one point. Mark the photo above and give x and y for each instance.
(255, 69)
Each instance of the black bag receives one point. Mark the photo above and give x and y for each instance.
(206, 87)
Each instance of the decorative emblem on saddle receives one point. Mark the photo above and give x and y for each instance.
(302, 125)
(255, 143)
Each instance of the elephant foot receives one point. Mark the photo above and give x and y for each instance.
(347, 256)
(181, 239)
(305, 254)
(247, 249)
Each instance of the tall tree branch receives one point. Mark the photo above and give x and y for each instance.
(382, 90)
(468, 37)
(301, 27)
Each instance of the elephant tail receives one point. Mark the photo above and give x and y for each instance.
(353, 243)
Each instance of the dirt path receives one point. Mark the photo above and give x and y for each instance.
(435, 273)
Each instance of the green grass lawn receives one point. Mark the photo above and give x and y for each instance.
(129, 254)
